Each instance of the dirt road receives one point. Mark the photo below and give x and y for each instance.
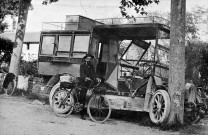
(20, 116)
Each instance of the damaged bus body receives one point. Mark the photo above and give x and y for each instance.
(132, 58)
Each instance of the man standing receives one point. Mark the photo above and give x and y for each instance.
(87, 74)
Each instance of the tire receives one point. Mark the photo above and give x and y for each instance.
(159, 107)
(11, 88)
(60, 108)
(98, 110)
(53, 91)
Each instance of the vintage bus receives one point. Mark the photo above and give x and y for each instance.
(131, 56)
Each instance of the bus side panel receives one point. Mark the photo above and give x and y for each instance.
(48, 68)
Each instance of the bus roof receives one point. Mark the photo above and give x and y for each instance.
(65, 32)
(143, 31)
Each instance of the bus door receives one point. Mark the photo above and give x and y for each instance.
(112, 66)
(107, 65)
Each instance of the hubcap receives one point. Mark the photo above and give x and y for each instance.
(159, 106)
(59, 100)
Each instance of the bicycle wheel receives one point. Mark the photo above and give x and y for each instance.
(99, 108)
(11, 88)
(61, 104)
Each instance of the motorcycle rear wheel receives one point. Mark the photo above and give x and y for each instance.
(62, 105)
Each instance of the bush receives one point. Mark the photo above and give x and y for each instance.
(197, 62)
(6, 49)
(29, 68)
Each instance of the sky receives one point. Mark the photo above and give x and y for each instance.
(95, 9)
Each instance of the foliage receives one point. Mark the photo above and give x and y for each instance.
(204, 66)
(29, 68)
(196, 54)
(192, 21)
(46, 2)
(194, 18)
(26, 68)
(138, 5)
(191, 25)
(3, 26)
(6, 49)
(8, 7)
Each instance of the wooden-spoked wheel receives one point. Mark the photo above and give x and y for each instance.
(159, 107)
(53, 91)
(99, 108)
(62, 104)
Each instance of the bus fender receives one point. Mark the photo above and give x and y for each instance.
(53, 81)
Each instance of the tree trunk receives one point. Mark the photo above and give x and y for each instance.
(19, 38)
(177, 61)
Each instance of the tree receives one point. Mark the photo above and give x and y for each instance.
(19, 37)
(8, 7)
(176, 82)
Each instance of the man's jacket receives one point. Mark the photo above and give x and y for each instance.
(87, 70)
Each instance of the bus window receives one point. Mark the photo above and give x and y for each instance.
(94, 47)
(81, 44)
(64, 46)
(48, 45)
(133, 54)
(163, 47)
(163, 57)
(104, 57)
(164, 38)
(161, 72)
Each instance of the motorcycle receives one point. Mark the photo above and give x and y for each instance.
(67, 99)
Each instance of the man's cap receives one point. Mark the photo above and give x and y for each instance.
(88, 55)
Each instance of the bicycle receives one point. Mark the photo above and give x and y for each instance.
(67, 100)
